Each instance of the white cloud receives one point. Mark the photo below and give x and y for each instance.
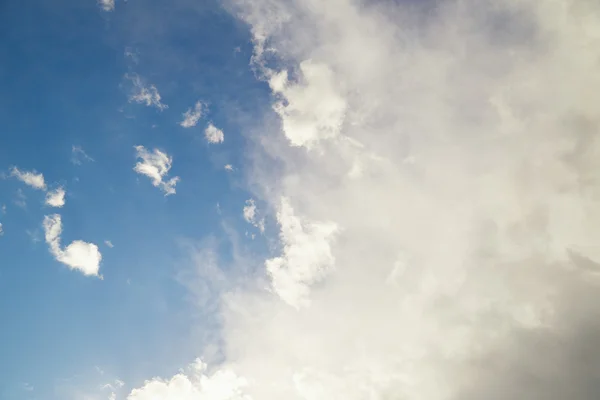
(228, 167)
(79, 255)
(30, 178)
(78, 155)
(250, 215)
(192, 116)
(143, 94)
(306, 257)
(56, 198)
(221, 385)
(1, 229)
(156, 165)
(213, 134)
(107, 5)
(109, 244)
(310, 111)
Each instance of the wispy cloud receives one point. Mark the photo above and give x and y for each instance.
(145, 94)
(56, 198)
(109, 244)
(250, 213)
(30, 178)
(79, 255)
(213, 134)
(78, 155)
(156, 166)
(192, 116)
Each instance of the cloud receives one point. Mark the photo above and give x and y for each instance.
(306, 257)
(250, 213)
(1, 229)
(312, 110)
(143, 94)
(30, 178)
(109, 244)
(222, 385)
(192, 116)
(228, 167)
(78, 155)
(156, 165)
(56, 197)
(79, 255)
(462, 181)
(107, 5)
(213, 134)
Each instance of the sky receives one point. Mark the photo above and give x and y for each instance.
(299, 199)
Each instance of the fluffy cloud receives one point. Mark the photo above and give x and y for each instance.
(312, 110)
(463, 175)
(144, 94)
(213, 134)
(56, 198)
(222, 385)
(192, 116)
(107, 5)
(79, 255)
(156, 165)
(30, 178)
(306, 257)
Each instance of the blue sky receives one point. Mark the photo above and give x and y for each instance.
(64, 85)
(299, 199)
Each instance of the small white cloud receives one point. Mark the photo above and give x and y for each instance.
(30, 178)
(250, 212)
(213, 134)
(56, 198)
(228, 167)
(109, 244)
(1, 229)
(79, 255)
(78, 155)
(107, 5)
(143, 94)
(192, 116)
(3, 208)
(156, 165)
(307, 257)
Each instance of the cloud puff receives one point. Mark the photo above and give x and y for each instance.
(221, 385)
(192, 116)
(56, 198)
(311, 110)
(306, 257)
(30, 178)
(213, 134)
(109, 244)
(107, 5)
(1, 229)
(143, 94)
(156, 165)
(250, 215)
(79, 255)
